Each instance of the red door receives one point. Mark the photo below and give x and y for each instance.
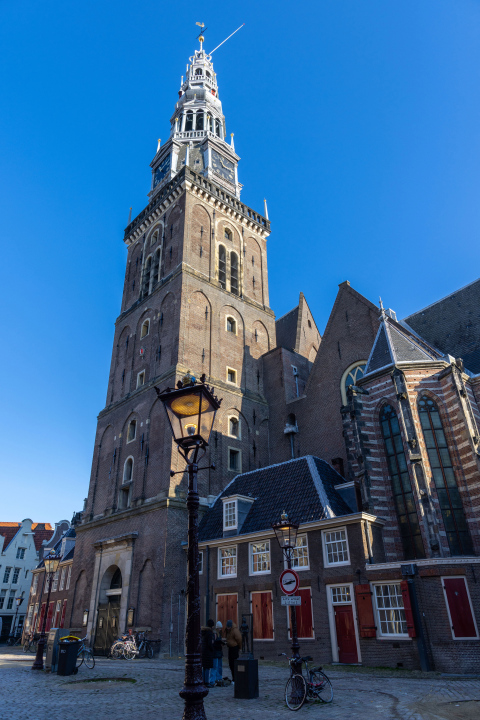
(346, 640)
(463, 624)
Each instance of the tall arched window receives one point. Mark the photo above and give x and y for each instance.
(222, 267)
(156, 267)
(444, 478)
(154, 237)
(234, 273)
(199, 120)
(351, 376)
(128, 470)
(401, 485)
(189, 122)
(146, 276)
(217, 129)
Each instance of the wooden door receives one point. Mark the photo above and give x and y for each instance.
(227, 609)
(107, 626)
(345, 629)
(262, 615)
(460, 611)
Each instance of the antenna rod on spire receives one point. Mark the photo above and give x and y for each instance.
(228, 38)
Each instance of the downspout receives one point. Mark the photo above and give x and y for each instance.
(417, 619)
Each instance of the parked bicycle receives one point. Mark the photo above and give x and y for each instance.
(14, 640)
(85, 655)
(30, 644)
(308, 684)
(132, 646)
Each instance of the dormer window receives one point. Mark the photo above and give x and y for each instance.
(230, 515)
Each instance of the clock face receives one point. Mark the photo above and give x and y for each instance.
(161, 171)
(223, 167)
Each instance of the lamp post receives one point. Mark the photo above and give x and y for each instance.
(51, 563)
(286, 533)
(18, 602)
(191, 412)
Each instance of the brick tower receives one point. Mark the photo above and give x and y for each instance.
(195, 298)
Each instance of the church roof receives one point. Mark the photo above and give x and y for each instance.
(304, 488)
(396, 344)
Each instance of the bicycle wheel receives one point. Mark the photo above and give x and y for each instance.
(149, 651)
(88, 659)
(116, 651)
(295, 692)
(321, 686)
(129, 651)
(80, 658)
(142, 650)
(33, 647)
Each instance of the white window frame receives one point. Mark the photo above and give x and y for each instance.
(145, 323)
(259, 592)
(234, 417)
(128, 482)
(239, 455)
(55, 581)
(200, 566)
(62, 579)
(19, 553)
(380, 634)
(228, 501)
(139, 384)
(297, 568)
(6, 577)
(231, 382)
(16, 571)
(325, 550)
(69, 576)
(229, 575)
(457, 577)
(251, 571)
(58, 611)
(35, 584)
(128, 430)
(331, 619)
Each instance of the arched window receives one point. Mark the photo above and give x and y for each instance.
(198, 71)
(234, 427)
(154, 237)
(156, 267)
(146, 276)
(444, 478)
(145, 329)
(350, 377)
(401, 485)
(222, 267)
(217, 128)
(199, 123)
(228, 234)
(234, 273)
(132, 431)
(189, 122)
(128, 470)
(116, 582)
(210, 123)
(231, 325)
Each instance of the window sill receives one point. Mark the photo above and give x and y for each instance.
(226, 577)
(395, 638)
(339, 564)
(264, 572)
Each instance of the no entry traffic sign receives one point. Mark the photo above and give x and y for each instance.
(289, 582)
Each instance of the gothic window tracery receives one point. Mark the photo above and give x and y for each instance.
(351, 376)
(401, 485)
(443, 476)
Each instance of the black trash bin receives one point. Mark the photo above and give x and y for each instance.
(67, 656)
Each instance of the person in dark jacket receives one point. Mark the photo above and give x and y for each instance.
(218, 654)
(234, 644)
(208, 639)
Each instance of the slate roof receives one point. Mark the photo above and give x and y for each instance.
(396, 344)
(304, 488)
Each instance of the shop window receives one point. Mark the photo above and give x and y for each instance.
(401, 485)
(451, 505)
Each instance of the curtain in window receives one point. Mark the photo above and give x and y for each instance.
(444, 478)
(401, 485)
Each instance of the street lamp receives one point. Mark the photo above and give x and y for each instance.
(286, 533)
(18, 602)
(51, 563)
(191, 412)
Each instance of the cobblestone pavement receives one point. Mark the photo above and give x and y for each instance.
(363, 694)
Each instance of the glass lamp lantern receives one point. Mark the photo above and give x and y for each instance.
(286, 532)
(18, 601)
(51, 562)
(191, 412)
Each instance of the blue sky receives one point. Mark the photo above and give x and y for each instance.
(358, 121)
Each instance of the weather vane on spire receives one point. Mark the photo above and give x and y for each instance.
(201, 37)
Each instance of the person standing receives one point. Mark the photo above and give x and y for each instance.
(218, 655)
(208, 639)
(234, 643)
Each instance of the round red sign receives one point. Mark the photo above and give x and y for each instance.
(289, 582)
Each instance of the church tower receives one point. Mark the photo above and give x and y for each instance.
(195, 299)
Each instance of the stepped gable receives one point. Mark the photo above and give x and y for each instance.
(304, 488)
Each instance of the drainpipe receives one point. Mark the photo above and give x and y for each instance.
(207, 595)
(409, 571)
(171, 621)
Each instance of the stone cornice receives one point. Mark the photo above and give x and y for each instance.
(167, 502)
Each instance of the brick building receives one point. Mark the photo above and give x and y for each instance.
(196, 298)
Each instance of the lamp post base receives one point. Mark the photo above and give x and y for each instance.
(38, 664)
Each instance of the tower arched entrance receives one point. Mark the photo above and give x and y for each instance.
(108, 610)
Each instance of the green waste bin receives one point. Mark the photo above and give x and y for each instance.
(67, 656)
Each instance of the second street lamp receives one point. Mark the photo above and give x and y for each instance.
(191, 412)
(286, 533)
(51, 563)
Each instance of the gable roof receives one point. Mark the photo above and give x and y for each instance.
(396, 344)
(41, 532)
(294, 330)
(304, 488)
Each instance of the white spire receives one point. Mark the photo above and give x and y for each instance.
(265, 209)
(232, 144)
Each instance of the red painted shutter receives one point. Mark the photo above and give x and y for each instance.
(64, 610)
(49, 616)
(463, 625)
(257, 615)
(222, 609)
(42, 613)
(232, 609)
(304, 614)
(408, 609)
(366, 619)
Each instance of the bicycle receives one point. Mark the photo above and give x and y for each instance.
(30, 644)
(315, 686)
(85, 655)
(145, 649)
(14, 640)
